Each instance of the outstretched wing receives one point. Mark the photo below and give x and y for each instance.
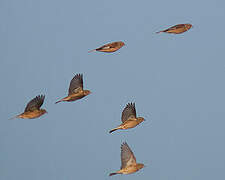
(76, 84)
(129, 111)
(127, 156)
(35, 103)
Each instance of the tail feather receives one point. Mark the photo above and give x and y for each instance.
(58, 101)
(159, 32)
(13, 117)
(113, 130)
(92, 50)
(111, 174)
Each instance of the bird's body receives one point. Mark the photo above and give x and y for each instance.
(130, 123)
(32, 109)
(129, 170)
(32, 114)
(129, 119)
(111, 47)
(177, 29)
(75, 96)
(76, 89)
(128, 161)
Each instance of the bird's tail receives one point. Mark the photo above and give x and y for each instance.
(92, 50)
(159, 32)
(58, 101)
(13, 117)
(113, 130)
(111, 174)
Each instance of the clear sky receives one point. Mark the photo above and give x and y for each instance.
(176, 81)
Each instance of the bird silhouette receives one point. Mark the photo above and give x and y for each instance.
(32, 109)
(75, 89)
(111, 47)
(128, 161)
(129, 118)
(177, 29)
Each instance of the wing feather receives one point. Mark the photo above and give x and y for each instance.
(76, 84)
(127, 156)
(35, 103)
(128, 112)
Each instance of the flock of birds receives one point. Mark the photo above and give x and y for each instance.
(129, 118)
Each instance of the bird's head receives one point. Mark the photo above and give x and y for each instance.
(121, 43)
(43, 111)
(140, 119)
(188, 26)
(86, 92)
(140, 166)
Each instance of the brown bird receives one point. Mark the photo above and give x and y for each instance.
(111, 47)
(128, 161)
(129, 119)
(76, 89)
(32, 109)
(177, 29)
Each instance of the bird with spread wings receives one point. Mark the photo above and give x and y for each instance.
(32, 109)
(129, 118)
(76, 90)
(128, 161)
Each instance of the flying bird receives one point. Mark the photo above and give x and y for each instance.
(129, 119)
(177, 29)
(111, 47)
(76, 89)
(32, 109)
(128, 161)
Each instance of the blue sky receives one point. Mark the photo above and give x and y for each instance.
(176, 81)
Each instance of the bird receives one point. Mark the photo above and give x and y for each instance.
(32, 109)
(177, 29)
(111, 47)
(128, 118)
(75, 89)
(128, 161)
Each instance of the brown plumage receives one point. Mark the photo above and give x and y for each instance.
(128, 161)
(129, 119)
(111, 47)
(76, 89)
(177, 29)
(32, 109)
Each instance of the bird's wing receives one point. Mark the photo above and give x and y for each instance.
(176, 27)
(35, 103)
(128, 112)
(76, 84)
(127, 156)
(107, 46)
